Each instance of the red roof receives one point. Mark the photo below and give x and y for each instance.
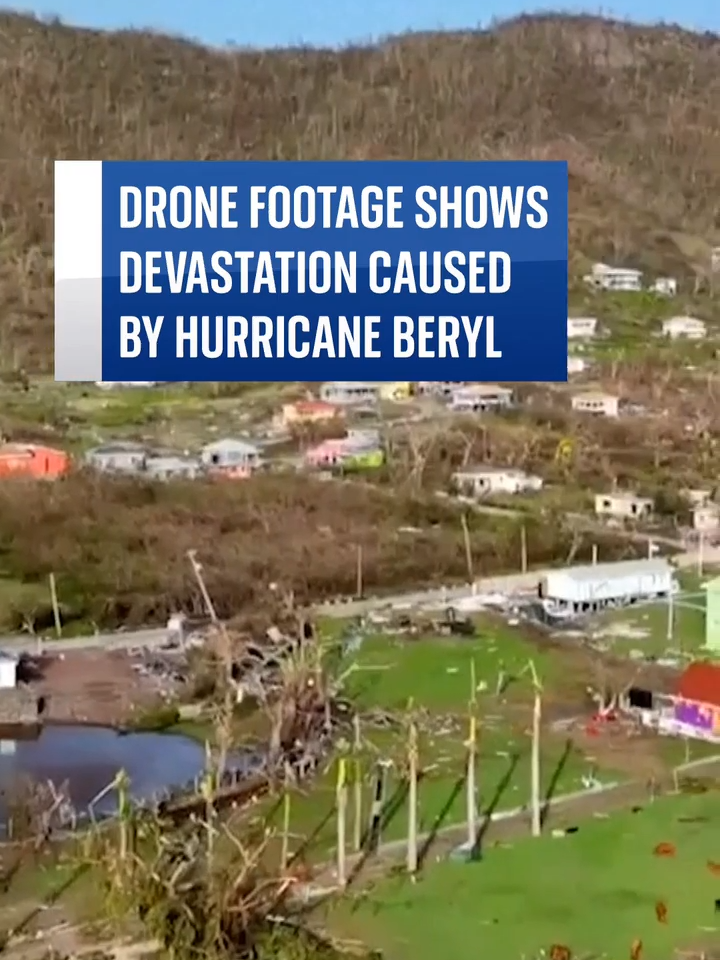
(701, 682)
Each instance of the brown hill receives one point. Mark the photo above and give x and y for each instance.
(633, 109)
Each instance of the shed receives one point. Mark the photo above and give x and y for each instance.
(712, 614)
(8, 670)
(117, 457)
(173, 467)
(603, 584)
(228, 453)
(701, 683)
(349, 392)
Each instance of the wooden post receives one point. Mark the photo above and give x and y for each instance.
(594, 554)
(377, 806)
(55, 606)
(357, 786)
(341, 795)
(197, 570)
(523, 549)
(412, 837)
(359, 573)
(470, 783)
(535, 757)
(285, 850)
(468, 548)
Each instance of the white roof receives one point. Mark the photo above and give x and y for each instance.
(482, 390)
(483, 471)
(622, 568)
(229, 444)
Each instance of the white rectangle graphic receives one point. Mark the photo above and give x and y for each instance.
(78, 270)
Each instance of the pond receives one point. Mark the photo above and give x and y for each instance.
(88, 758)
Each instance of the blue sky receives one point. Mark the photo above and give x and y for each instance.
(267, 23)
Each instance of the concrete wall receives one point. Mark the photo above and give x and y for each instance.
(18, 706)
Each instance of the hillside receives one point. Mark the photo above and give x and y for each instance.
(633, 110)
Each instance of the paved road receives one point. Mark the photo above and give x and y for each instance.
(154, 637)
(151, 637)
(511, 583)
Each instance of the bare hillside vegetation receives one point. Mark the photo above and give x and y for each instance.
(633, 110)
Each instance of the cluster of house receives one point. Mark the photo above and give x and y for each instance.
(676, 328)
(581, 329)
(228, 458)
(623, 505)
(626, 280)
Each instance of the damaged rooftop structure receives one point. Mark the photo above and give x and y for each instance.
(692, 712)
(595, 587)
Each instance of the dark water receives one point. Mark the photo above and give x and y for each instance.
(90, 757)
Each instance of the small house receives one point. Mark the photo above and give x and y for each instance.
(706, 518)
(305, 412)
(354, 452)
(665, 287)
(33, 461)
(581, 328)
(438, 388)
(598, 404)
(594, 586)
(697, 703)
(481, 397)
(623, 506)
(8, 670)
(696, 496)
(688, 328)
(117, 457)
(173, 467)
(486, 481)
(230, 458)
(614, 279)
(349, 393)
(397, 391)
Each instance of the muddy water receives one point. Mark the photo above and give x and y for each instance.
(89, 757)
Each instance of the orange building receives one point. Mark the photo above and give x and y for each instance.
(33, 460)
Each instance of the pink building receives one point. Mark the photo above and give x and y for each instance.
(327, 454)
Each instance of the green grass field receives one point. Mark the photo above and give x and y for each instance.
(654, 629)
(435, 672)
(593, 891)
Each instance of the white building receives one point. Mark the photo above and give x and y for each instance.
(620, 279)
(665, 287)
(581, 328)
(8, 670)
(608, 584)
(485, 481)
(349, 392)
(599, 404)
(691, 328)
(576, 364)
(623, 506)
(478, 397)
(706, 518)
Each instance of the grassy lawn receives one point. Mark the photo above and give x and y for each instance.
(594, 891)
(435, 673)
(645, 628)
